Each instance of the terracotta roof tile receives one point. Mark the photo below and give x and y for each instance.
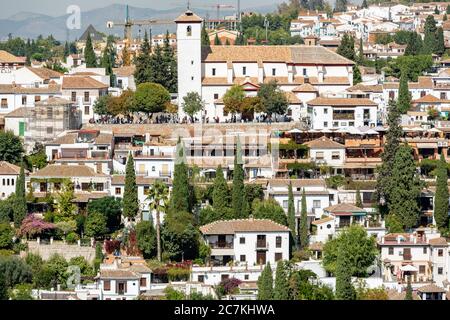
(431, 288)
(7, 168)
(306, 87)
(324, 143)
(343, 207)
(6, 57)
(244, 225)
(45, 73)
(124, 71)
(11, 88)
(188, 16)
(324, 220)
(341, 102)
(19, 112)
(118, 274)
(66, 171)
(438, 242)
(82, 82)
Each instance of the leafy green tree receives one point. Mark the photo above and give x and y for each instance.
(95, 225)
(143, 71)
(408, 295)
(404, 188)
(269, 209)
(64, 207)
(130, 195)
(111, 208)
(180, 237)
(233, 99)
(20, 205)
(7, 209)
(358, 200)
(430, 39)
(151, 98)
(66, 226)
(146, 238)
(101, 105)
(347, 47)
(14, 271)
(11, 148)
(238, 193)
(291, 212)
(53, 273)
(3, 288)
(192, 104)
(414, 66)
(220, 196)
(179, 200)
(344, 286)
(89, 54)
(441, 196)
(159, 199)
(357, 78)
(341, 6)
(273, 99)
(281, 289)
(404, 96)
(440, 43)
(21, 292)
(364, 4)
(265, 284)
(6, 236)
(355, 241)
(303, 222)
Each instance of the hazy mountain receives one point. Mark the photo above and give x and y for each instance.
(31, 25)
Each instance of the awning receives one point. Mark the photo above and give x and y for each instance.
(430, 145)
(295, 131)
(409, 267)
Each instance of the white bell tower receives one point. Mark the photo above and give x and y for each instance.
(189, 52)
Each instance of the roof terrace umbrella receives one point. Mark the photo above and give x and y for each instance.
(409, 267)
(295, 131)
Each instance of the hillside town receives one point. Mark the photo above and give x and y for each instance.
(297, 155)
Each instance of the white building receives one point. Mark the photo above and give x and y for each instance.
(247, 242)
(8, 177)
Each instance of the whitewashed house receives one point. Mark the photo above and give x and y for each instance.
(8, 177)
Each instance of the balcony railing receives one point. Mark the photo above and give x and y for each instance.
(338, 116)
(262, 245)
(221, 245)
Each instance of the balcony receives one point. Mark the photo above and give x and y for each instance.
(343, 116)
(221, 245)
(262, 245)
(222, 248)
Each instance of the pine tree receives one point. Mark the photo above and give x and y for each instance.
(265, 284)
(391, 146)
(358, 201)
(441, 196)
(89, 54)
(404, 96)
(281, 289)
(108, 59)
(179, 201)
(344, 286)
(130, 195)
(347, 47)
(170, 79)
(205, 37)
(440, 44)
(217, 40)
(414, 45)
(220, 194)
(408, 295)
(364, 4)
(238, 191)
(20, 202)
(304, 222)
(291, 212)
(430, 39)
(404, 187)
(143, 71)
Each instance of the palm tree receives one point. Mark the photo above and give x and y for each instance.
(159, 200)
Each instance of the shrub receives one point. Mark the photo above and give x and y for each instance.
(72, 238)
(178, 274)
(230, 285)
(111, 246)
(335, 182)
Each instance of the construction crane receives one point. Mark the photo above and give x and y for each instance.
(129, 23)
(217, 6)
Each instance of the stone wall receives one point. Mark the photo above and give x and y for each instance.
(68, 251)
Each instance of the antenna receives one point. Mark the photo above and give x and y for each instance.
(188, 4)
(127, 19)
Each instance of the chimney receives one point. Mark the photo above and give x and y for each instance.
(147, 137)
(398, 239)
(412, 238)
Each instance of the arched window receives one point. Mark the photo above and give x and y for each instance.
(189, 31)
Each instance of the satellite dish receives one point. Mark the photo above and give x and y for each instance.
(110, 24)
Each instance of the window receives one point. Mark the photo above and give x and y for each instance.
(391, 251)
(192, 62)
(86, 96)
(244, 70)
(328, 226)
(246, 277)
(278, 256)
(422, 93)
(201, 278)
(216, 96)
(224, 277)
(74, 96)
(422, 269)
(189, 31)
(106, 285)
(143, 282)
(86, 109)
(213, 71)
(153, 168)
(118, 191)
(49, 130)
(49, 112)
(325, 124)
(443, 95)
(391, 95)
(4, 103)
(319, 155)
(304, 72)
(335, 124)
(285, 204)
(274, 72)
(424, 250)
(146, 190)
(241, 240)
(192, 78)
(242, 258)
(278, 242)
(325, 111)
(37, 98)
(317, 204)
(24, 100)
(440, 253)
(335, 155)
(440, 270)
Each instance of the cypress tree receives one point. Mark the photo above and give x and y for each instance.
(265, 284)
(347, 47)
(447, 10)
(20, 202)
(358, 201)
(89, 54)
(281, 289)
(143, 71)
(344, 286)
(404, 187)
(227, 42)
(429, 41)
(404, 96)
(414, 45)
(108, 59)
(356, 75)
(441, 196)
(304, 222)
(126, 56)
(220, 194)
(217, 41)
(408, 295)
(130, 195)
(364, 4)
(238, 182)
(179, 201)
(205, 37)
(444, 18)
(170, 77)
(291, 212)
(361, 51)
(440, 44)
